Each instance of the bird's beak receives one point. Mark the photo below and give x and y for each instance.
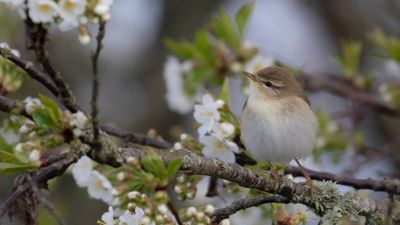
(250, 75)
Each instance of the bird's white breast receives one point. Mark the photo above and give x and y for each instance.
(278, 130)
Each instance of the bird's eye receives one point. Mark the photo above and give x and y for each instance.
(268, 84)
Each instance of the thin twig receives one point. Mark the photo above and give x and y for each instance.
(95, 84)
(31, 71)
(348, 181)
(38, 36)
(226, 212)
(174, 212)
(342, 88)
(136, 138)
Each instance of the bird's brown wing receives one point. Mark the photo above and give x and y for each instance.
(304, 97)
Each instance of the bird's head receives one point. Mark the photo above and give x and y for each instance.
(273, 83)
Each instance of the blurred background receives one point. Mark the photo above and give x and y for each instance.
(303, 33)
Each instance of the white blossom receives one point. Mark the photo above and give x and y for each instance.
(133, 194)
(84, 38)
(332, 127)
(19, 147)
(162, 208)
(184, 137)
(34, 156)
(27, 126)
(223, 130)
(103, 8)
(206, 114)
(257, 63)
(191, 211)
(215, 147)
(178, 146)
(236, 67)
(32, 104)
(78, 122)
(177, 189)
(108, 217)
(210, 209)
(136, 218)
(176, 97)
(129, 218)
(121, 176)
(225, 222)
(200, 216)
(82, 171)
(99, 187)
(42, 11)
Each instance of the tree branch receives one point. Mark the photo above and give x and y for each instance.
(226, 212)
(95, 84)
(40, 176)
(341, 87)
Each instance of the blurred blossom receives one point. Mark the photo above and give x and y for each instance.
(69, 11)
(34, 156)
(32, 104)
(257, 63)
(392, 67)
(6, 46)
(78, 123)
(176, 97)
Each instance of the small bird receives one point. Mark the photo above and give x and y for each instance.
(277, 123)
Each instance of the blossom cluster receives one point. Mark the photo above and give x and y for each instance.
(127, 218)
(200, 215)
(41, 133)
(68, 14)
(214, 134)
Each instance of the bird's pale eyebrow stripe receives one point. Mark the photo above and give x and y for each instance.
(274, 83)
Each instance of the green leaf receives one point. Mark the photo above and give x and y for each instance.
(154, 165)
(204, 47)
(183, 50)
(8, 157)
(52, 108)
(242, 17)
(21, 158)
(173, 167)
(12, 168)
(42, 119)
(351, 56)
(5, 146)
(225, 30)
(225, 94)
